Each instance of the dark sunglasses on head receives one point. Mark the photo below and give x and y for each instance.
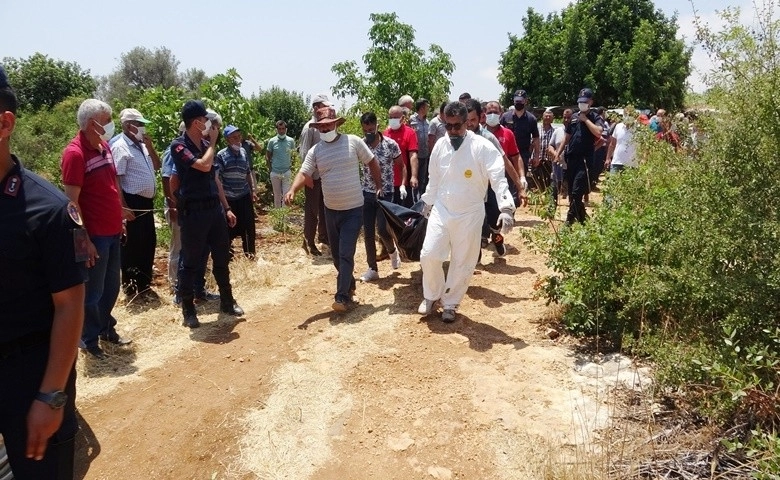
(453, 126)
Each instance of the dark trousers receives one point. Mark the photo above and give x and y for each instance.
(21, 372)
(137, 252)
(203, 231)
(597, 165)
(314, 215)
(577, 176)
(374, 222)
(491, 214)
(343, 231)
(422, 178)
(245, 224)
(541, 175)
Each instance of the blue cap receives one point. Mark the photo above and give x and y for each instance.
(193, 109)
(229, 129)
(3, 78)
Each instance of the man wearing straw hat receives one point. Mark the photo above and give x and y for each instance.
(335, 160)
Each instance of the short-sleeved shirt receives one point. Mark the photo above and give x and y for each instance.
(37, 253)
(582, 140)
(625, 148)
(546, 141)
(420, 128)
(337, 165)
(386, 151)
(525, 128)
(281, 153)
(93, 170)
(507, 140)
(484, 132)
(134, 167)
(166, 171)
(407, 141)
(233, 169)
(249, 148)
(436, 128)
(193, 183)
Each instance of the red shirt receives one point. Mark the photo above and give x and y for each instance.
(406, 138)
(93, 171)
(507, 140)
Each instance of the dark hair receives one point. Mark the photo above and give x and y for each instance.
(456, 109)
(441, 108)
(465, 96)
(473, 106)
(281, 123)
(368, 118)
(420, 103)
(8, 100)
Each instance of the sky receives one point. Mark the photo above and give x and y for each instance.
(294, 45)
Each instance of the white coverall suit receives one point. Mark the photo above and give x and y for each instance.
(456, 188)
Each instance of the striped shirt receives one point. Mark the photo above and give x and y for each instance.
(337, 165)
(233, 168)
(134, 167)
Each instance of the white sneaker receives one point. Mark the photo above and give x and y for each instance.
(426, 307)
(369, 276)
(395, 260)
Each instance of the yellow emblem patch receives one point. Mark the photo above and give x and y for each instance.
(467, 174)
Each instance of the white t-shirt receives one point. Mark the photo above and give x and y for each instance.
(625, 148)
(337, 165)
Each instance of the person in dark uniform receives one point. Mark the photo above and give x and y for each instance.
(579, 140)
(204, 215)
(526, 130)
(42, 278)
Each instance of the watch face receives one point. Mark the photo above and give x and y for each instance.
(58, 399)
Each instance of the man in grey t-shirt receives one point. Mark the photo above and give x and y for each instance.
(335, 159)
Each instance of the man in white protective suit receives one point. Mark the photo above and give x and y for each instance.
(461, 166)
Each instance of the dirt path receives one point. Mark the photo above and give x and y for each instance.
(298, 392)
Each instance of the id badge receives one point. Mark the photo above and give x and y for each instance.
(80, 244)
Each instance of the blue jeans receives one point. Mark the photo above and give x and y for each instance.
(102, 290)
(343, 230)
(373, 223)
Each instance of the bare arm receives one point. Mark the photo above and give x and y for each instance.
(300, 180)
(152, 152)
(415, 164)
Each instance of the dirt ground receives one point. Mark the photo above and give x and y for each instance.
(295, 391)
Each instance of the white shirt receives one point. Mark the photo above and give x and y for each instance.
(134, 167)
(625, 148)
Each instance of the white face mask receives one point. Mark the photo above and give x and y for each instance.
(236, 148)
(394, 123)
(329, 136)
(281, 136)
(492, 119)
(584, 107)
(139, 135)
(206, 128)
(108, 130)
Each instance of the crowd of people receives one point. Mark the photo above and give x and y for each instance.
(66, 256)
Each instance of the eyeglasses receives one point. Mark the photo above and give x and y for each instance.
(453, 126)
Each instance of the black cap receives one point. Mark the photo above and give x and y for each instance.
(3, 78)
(520, 95)
(193, 109)
(585, 95)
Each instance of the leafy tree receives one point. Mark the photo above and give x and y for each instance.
(141, 68)
(193, 78)
(394, 66)
(42, 82)
(623, 49)
(280, 104)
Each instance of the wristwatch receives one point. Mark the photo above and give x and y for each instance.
(55, 399)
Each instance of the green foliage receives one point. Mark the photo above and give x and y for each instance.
(684, 261)
(626, 51)
(280, 219)
(280, 104)
(394, 66)
(42, 82)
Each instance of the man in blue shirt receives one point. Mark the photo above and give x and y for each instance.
(238, 182)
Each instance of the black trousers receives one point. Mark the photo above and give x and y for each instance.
(491, 214)
(137, 252)
(245, 224)
(202, 230)
(314, 215)
(21, 372)
(577, 179)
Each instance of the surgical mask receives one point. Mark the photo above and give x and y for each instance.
(394, 123)
(370, 137)
(206, 128)
(492, 119)
(139, 134)
(328, 136)
(457, 141)
(108, 130)
(584, 107)
(281, 136)
(236, 148)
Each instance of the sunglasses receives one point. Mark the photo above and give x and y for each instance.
(453, 126)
